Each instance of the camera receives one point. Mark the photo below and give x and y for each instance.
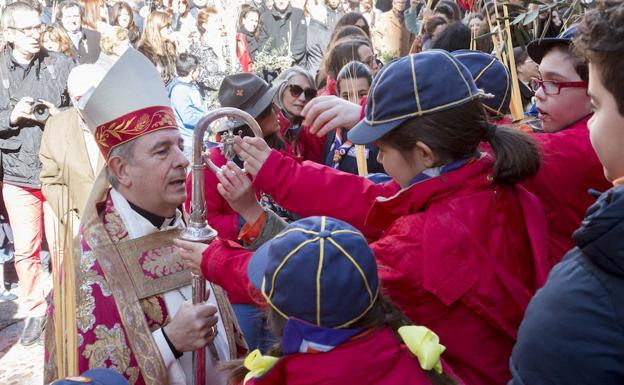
(41, 111)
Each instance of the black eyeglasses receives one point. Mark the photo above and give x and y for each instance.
(296, 91)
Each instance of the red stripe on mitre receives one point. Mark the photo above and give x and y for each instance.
(132, 125)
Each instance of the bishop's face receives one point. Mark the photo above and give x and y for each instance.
(157, 172)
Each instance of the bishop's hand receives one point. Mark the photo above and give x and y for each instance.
(193, 326)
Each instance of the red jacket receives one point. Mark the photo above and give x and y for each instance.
(459, 254)
(570, 169)
(330, 88)
(242, 52)
(305, 145)
(375, 359)
(219, 214)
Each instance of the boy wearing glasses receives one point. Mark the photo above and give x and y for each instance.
(570, 166)
(572, 328)
(33, 79)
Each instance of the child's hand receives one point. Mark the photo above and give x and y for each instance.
(324, 114)
(235, 186)
(253, 151)
(191, 253)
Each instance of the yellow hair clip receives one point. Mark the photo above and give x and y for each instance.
(258, 364)
(425, 345)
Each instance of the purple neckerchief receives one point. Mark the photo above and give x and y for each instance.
(303, 337)
(437, 171)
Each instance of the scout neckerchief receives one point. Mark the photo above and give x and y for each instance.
(340, 148)
(437, 171)
(303, 337)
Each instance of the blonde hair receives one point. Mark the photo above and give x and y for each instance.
(58, 35)
(111, 40)
(203, 16)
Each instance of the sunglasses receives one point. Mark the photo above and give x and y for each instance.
(296, 91)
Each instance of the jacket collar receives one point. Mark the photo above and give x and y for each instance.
(282, 15)
(601, 232)
(37, 60)
(417, 197)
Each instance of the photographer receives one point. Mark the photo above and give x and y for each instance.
(32, 87)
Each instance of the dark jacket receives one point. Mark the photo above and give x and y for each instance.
(283, 28)
(45, 78)
(317, 41)
(88, 50)
(347, 161)
(573, 329)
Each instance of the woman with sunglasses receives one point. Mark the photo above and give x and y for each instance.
(296, 89)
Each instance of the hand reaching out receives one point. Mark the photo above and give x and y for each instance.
(235, 186)
(253, 151)
(324, 114)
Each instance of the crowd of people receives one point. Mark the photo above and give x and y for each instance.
(424, 198)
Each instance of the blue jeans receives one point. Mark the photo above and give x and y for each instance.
(253, 323)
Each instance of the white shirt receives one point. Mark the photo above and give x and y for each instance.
(179, 370)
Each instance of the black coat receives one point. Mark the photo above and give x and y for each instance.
(88, 50)
(573, 329)
(284, 28)
(45, 78)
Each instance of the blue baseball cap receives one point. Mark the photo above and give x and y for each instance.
(413, 86)
(98, 376)
(319, 270)
(538, 48)
(490, 75)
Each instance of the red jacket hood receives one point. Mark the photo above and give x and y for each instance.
(378, 359)
(419, 196)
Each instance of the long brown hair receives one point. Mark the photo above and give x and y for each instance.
(342, 52)
(152, 38)
(91, 13)
(455, 134)
(57, 34)
(160, 51)
(383, 312)
(132, 27)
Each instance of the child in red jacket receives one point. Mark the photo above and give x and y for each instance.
(460, 246)
(319, 278)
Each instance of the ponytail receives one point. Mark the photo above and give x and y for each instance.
(517, 154)
(455, 134)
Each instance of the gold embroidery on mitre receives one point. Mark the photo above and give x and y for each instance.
(110, 344)
(112, 130)
(147, 121)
